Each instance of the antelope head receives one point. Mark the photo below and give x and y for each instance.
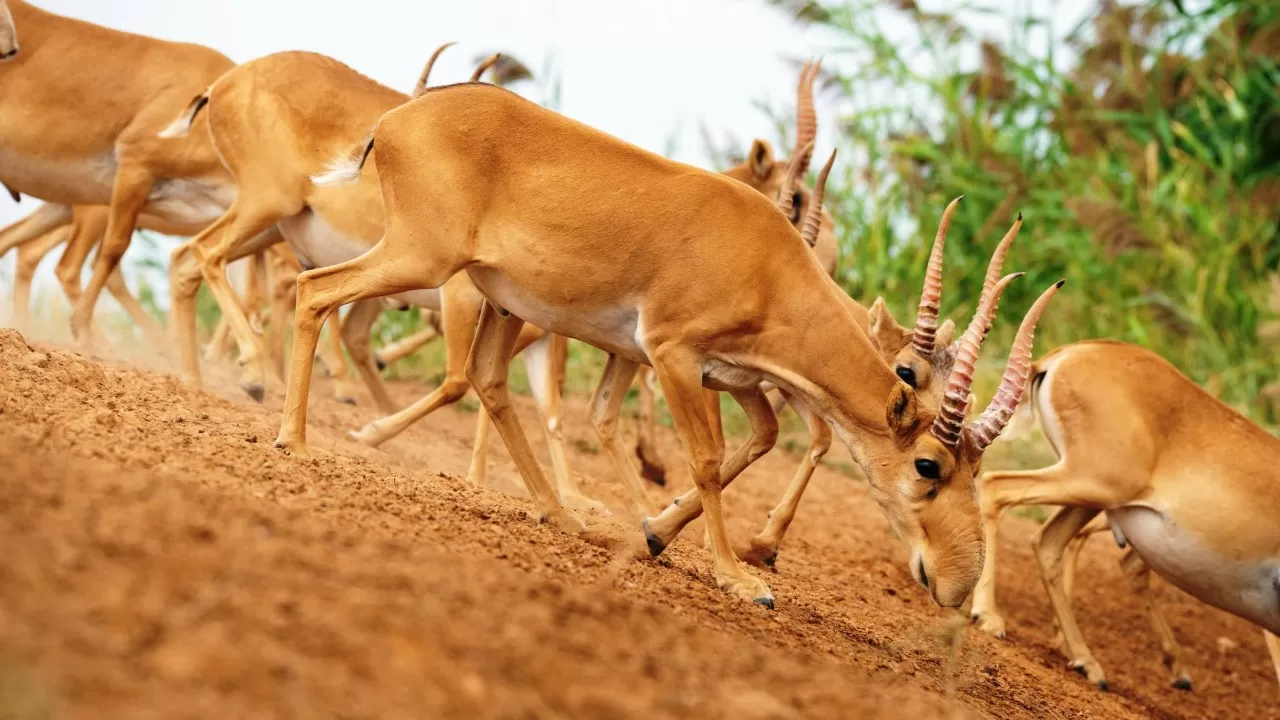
(923, 356)
(922, 474)
(8, 33)
(768, 175)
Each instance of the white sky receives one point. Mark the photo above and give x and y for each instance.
(648, 71)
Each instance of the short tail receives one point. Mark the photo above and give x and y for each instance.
(345, 169)
(180, 127)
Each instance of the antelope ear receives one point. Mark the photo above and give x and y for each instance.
(760, 159)
(901, 412)
(946, 333)
(885, 332)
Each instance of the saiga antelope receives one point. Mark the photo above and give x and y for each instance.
(1186, 483)
(919, 356)
(588, 237)
(82, 106)
(275, 121)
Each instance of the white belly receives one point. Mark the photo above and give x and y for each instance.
(318, 244)
(194, 203)
(77, 181)
(612, 329)
(1248, 588)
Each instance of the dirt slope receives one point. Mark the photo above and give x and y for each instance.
(162, 559)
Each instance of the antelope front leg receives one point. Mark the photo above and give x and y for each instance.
(680, 373)
(1050, 544)
(479, 449)
(460, 307)
(1139, 577)
(763, 550)
(128, 195)
(335, 363)
(356, 330)
(660, 531)
(544, 361)
(606, 404)
(651, 467)
(487, 369)
(29, 257)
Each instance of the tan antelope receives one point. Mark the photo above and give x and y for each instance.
(275, 121)
(919, 356)
(82, 107)
(1187, 485)
(589, 237)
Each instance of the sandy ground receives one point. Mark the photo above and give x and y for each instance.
(162, 559)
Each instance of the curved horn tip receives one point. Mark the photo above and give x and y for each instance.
(1060, 283)
(1019, 216)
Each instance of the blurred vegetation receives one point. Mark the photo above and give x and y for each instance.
(1144, 154)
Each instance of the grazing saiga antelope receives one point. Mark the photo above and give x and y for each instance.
(82, 106)
(574, 231)
(275, 121)
(1187, 485)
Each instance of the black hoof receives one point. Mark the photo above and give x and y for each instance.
(765, 601)
(1182, 684)
(1103, 686)
(1080, 670)
(771, 560)
(9, 54)
(656, 546)
(255, 390)
(378, 361)
(346, 400)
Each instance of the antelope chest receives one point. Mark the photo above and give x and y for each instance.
(1249, 588)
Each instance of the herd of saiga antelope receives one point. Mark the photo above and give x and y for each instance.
(564, 231)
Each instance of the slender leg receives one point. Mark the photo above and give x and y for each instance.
(1054, 485)
(764, 547)
(45, 219)
(544, 362)
(29, 257)
(461, 304)
(606, 404)
(479, 450)
(1050, 543)
(282, 271)
(651, 467)
(219, 347)
(394, 265)
(1074, 548)
(487, 368)
(1273, 646)
(680, 372)
(664, 528)
(128, 195)
(335, 363)
(120, 291)
(356, 329)
(1139, 577)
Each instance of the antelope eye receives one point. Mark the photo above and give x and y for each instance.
(929, 469)
(909, 377)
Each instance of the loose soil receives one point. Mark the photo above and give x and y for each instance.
(161, 559)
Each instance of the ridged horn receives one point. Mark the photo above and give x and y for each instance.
(785, 193)
(485, 65)
(813, 220)
(421, 87)
(955, 399)
(926, 330)
(996, 263)
(1017, 372)
(806, 115)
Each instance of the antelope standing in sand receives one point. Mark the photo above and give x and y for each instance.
(82, 107)
(275, 121)
(1187, 485)
(588, 237)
